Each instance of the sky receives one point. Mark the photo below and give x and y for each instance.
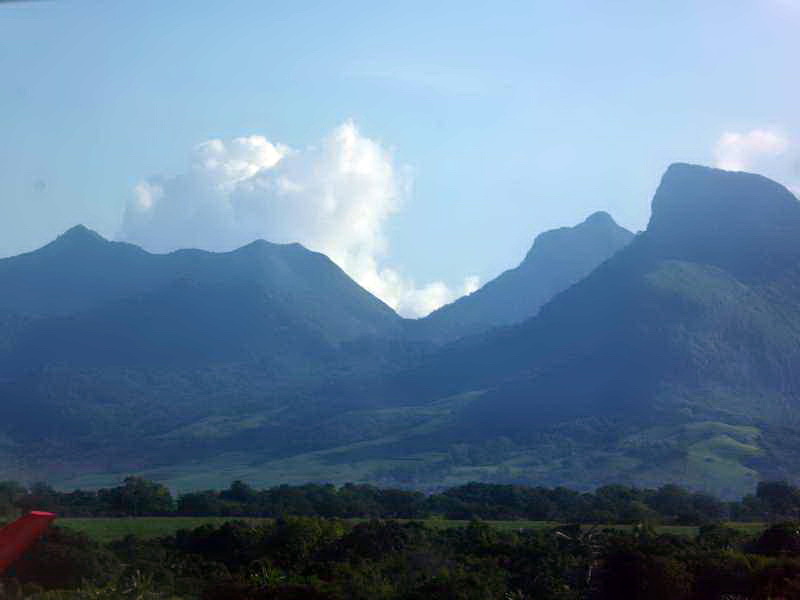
(421, 145)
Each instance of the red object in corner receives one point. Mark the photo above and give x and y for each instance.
(18, 536)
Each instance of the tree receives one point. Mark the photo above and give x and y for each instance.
(10, 493)
(138, 496)
(780, 539)
(200, 504)
(239, 491)
(781, 499)
(639, 575)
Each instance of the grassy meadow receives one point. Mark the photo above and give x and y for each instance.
(109, 529)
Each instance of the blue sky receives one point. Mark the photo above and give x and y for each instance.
(500, 119)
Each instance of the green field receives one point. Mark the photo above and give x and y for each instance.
(108, 529)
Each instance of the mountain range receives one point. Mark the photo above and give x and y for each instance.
(603, 357)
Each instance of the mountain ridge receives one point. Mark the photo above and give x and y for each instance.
(651, 337)
(557, 259)
(675, 359)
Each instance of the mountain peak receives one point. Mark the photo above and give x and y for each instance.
(261, 245)
(258, 245)
(599, 227)
(80, 234)
(689, 191)
(600, 217)
(558, 259)
(726, 218)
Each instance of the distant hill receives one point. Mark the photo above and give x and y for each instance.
(87, 300)
(104, 347)
(558, 259)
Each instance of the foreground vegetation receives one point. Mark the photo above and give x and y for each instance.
(332, 559)
(108, 529)
(479, 541)
(668, 505)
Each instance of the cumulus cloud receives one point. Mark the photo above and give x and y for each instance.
(335, 197)
(761, 151)
(745, 151)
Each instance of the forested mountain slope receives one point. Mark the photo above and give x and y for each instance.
(677, 359)
(707, 297)
(104, 347)
(558, 259)
(87, 301)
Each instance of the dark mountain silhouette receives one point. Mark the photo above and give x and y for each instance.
(89, 300)
(77, 271)
(718, 264)
(558, 259)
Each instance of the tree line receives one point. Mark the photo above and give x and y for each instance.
(668, 504)
(315, 558)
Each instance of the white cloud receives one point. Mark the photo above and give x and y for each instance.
(334, 198)
(745, 151)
